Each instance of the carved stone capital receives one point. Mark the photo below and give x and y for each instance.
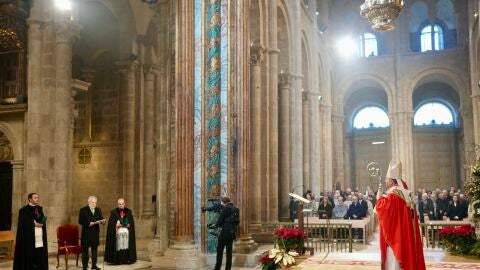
(285, 80)
(256, 54)
(127, 67)
(150, 72)
(66, 32)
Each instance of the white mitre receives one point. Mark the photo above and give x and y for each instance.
(394, 170)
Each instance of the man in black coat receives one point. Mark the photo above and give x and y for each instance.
(31, 244)
(120, 247)
(434, 212)
(90, 217)
(228, 221)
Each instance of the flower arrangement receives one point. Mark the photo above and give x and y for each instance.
(288, 243)
(289, 239)
(458, 240)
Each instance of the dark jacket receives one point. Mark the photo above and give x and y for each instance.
(455, 211)
(423, 208)
(90, 235)
(364, 205)
(25, 241)
(356, 210)
(325, 209)
(226, 220)
(434, 211)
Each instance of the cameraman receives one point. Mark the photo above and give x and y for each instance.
(228, 221)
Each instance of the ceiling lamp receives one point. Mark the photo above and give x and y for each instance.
(381, 13)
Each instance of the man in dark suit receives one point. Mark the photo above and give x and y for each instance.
(423, 207)
(434, 208)
(355, 211)
(364, 205)
(90, 217)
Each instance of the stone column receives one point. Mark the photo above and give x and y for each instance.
(314, 131)
(338, 149)
(148, 143)
(273, 115)
(306, 104)
(65, 31)
(285, 84)
(256, 58)
(242, 124)
(296, 138)
(18, 197)
(322, 146)
(328, 145)
(182, 252)
(36, 105)
(127, 71)
(403, 125)
(460, 9)
(476, 118)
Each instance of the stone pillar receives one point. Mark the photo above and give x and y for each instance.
(314, 131)
(37, 100)
(296, 138)
(321, 149)
(273, 115)
(18, 197)
(256, 58)
(148, 143)
(328, 145)
(338, 149)
(89, 76)
(460, 9)
(127, 71)
(402, 126)
(476, 118)
(307, 127)
(468, 142)
(65, 31)
(242, 125)
(182, 252)
(285, 84)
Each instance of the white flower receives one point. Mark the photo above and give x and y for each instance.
(281, 256)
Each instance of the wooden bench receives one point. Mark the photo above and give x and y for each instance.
(8, 236)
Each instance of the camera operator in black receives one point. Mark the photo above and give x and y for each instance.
(228, 221)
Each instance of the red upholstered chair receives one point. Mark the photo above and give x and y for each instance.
(68, 242)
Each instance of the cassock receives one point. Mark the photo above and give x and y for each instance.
(120, 247)
(31, 244)
(399, 230)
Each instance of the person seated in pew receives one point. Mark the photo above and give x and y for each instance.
(455, 209)
(356, 211)
(340, 210)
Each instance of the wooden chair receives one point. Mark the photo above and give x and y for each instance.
(8, 236)
(68, 242)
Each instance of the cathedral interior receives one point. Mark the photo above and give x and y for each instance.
(171, 104)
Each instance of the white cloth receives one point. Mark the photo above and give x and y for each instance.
(38, 237)
(122, 238)
(391, 263)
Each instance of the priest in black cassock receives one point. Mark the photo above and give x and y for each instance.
(31, 245)
(90, 217)
(120, 245)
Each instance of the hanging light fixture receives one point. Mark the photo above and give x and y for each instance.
(381, 13)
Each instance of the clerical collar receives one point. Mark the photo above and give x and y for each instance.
(32, 205)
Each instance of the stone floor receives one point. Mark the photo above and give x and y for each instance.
(364, 257)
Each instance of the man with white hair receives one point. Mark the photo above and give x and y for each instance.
(400, 240)
(89, 218)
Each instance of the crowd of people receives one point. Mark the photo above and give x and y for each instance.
(438, 204)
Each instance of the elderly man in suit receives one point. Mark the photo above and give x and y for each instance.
(89, 218)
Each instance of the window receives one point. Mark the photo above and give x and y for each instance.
(433, 113)
(431, 38)
(368, 45)
(371, 117)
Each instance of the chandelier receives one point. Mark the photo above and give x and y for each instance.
(381, 13)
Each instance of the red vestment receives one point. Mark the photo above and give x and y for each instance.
(399, 231)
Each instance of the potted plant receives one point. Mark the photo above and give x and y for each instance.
(288, 244)
(459, 239)
(472, 189)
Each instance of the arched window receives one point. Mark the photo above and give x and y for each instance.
(368, 45)
(371, 117)
(431, 38)
(433, 113)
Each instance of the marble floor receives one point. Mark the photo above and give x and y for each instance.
(364, 257)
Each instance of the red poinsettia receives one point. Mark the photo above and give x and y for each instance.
(289, 238)
(458, 240)
(268, 263)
